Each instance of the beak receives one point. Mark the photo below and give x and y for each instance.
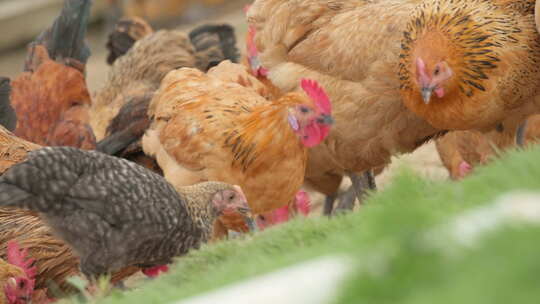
(326, 119)
(248, 218)
(426, 94)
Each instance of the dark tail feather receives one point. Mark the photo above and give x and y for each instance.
(8, 118)
(13, 196)
(115, 143)
(65, 38)
(127, 127)
(520, 134)
(125, 34)
(208, 36)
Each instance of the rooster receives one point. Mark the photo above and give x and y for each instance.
(81, 196)
(16, 276)
(50, 98)
(205, 128)
(471, 64)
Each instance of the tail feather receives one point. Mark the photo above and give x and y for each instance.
(117, 142)
(8, 117)
(127, 127)
(65, 38)
(125, 34)
(209, 36)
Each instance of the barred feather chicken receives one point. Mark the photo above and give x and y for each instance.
(54, 259)
(471, 64)
(354, 57)
(119, 109)
(205, 128)
(50, 98)
(115, 213)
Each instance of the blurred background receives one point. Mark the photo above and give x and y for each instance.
(25, 19)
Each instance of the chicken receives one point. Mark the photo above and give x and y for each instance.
(328, 184)
(251, 60)
(354, 57)
(471, 64)
(8, 119)
(300, 205)
(115, 213)
(461, 151)
(16, 276)
(204, 128)
(119, 110)
(50, 98)
(126, 32)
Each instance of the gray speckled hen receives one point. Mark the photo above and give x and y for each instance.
(115, 213)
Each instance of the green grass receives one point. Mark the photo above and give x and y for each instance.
(391, 229)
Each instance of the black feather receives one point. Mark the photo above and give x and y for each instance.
(127, 127)
(8, 117)
(65, 38)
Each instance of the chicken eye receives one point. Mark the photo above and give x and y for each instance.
(437, 71)
(22, 283)
(231, 197)
(304, 109)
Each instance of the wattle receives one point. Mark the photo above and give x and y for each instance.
(313, 135)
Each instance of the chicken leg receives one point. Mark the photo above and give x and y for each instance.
(329, 204)
(359, 186)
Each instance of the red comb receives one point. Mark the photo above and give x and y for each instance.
(317, 94)
(153, 272)
(18, 257)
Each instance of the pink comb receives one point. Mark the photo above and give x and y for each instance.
(303, 202)
(464, 169)
(246, 8)
(16, 256)
(317, 94)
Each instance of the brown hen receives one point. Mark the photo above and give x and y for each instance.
(50, 98)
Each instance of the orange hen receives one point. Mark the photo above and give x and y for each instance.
(205, 128)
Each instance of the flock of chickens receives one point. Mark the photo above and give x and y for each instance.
(187, 140)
